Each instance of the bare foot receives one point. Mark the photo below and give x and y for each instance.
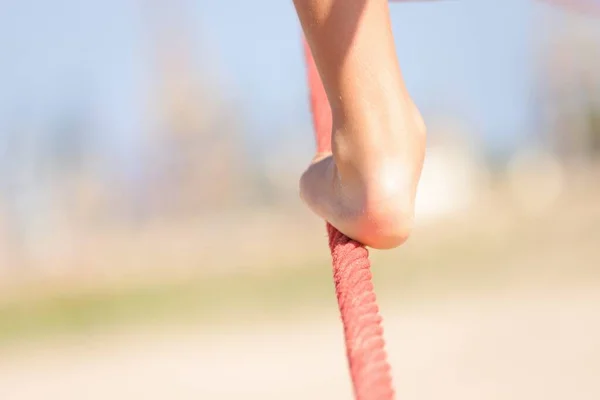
(367, 188)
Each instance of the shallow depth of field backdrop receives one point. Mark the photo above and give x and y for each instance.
(153, 246)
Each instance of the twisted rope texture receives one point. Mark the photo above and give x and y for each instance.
(365, 347)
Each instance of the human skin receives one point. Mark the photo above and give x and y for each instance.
(366, 185)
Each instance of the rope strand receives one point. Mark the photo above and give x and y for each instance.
(365, 347)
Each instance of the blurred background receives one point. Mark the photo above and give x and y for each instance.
(153, 246)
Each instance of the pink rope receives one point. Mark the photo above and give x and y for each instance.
(365, 347)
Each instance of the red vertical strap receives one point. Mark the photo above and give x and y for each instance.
(319, 104)
(365, 347)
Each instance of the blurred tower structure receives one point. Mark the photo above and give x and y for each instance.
(569, 70)
(196, 151)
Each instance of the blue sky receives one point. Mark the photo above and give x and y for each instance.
(463, 58)
(468, 58)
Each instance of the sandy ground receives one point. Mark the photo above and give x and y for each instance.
(525, 344)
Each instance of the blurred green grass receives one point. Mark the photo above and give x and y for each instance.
(463, 256)
(198, 299)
